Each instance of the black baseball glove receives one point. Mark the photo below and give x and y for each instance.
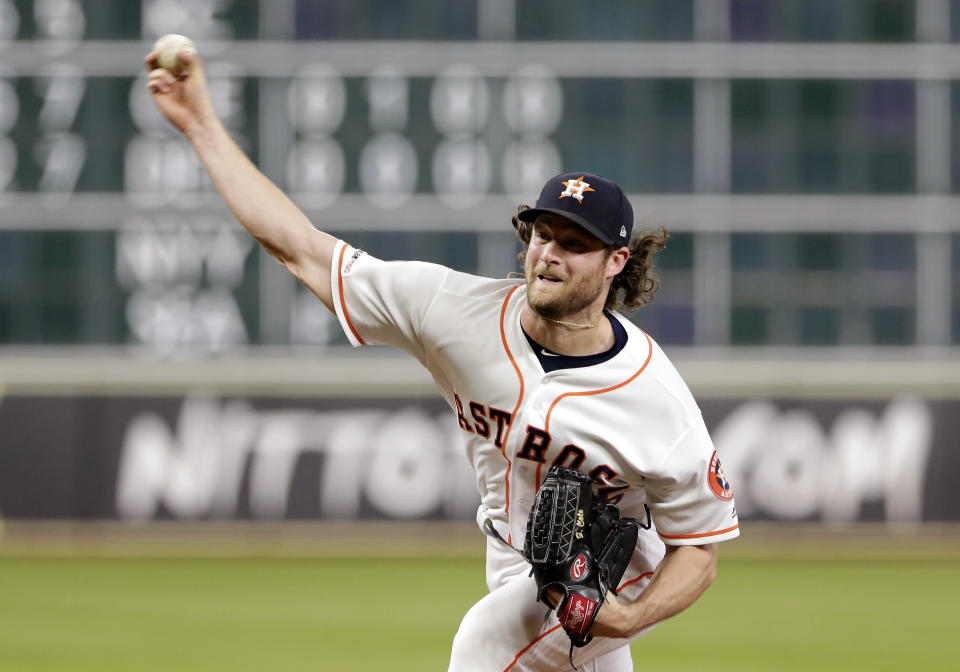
(579, 545)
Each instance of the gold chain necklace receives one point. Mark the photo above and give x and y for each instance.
(572, 324)
(578, 325)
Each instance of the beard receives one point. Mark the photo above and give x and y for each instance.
(572, 297)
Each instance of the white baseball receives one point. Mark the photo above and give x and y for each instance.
(168, 47)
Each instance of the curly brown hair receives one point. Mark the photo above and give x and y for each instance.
(636, 284)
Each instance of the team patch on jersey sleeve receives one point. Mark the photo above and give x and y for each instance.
(719, 485)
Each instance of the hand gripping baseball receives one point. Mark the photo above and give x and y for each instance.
(184, 97)
(578, 547)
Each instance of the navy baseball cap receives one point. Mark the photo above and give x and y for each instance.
(593, 202)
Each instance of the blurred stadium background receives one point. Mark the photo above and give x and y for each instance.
(169, 392)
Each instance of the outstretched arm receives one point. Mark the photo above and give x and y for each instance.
(258, 204)
(682, 576)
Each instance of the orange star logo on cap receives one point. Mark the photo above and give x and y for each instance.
(575, 188)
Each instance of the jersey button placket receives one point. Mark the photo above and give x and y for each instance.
(533, 414)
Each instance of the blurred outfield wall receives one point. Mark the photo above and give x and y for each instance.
(367, 437)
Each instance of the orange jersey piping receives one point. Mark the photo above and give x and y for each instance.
(698, 536)
(343, 303)
(606, 389)
(642, 576)
(527, 648)
(513, 416)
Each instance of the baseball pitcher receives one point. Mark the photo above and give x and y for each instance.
(601, 494)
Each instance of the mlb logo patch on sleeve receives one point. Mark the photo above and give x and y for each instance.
(351, 261)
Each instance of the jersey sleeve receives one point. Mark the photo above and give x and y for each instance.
(383, 302)
(690, 499)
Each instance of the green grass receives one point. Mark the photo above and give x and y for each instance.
(237, 614)
(231, 614)
(815, 615)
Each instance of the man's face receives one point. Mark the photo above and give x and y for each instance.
(565, 268)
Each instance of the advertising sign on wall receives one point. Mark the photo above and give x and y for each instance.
(206, 457)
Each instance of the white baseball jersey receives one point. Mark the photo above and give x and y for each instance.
(629, 422)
